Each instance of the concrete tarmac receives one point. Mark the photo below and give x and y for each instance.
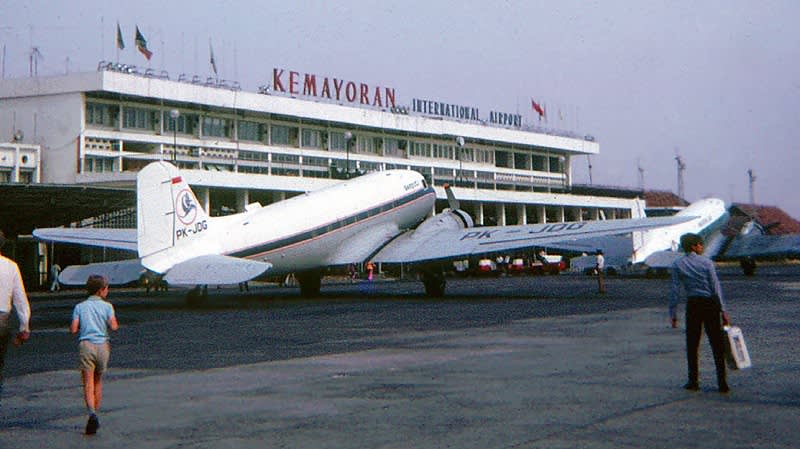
(533, 363)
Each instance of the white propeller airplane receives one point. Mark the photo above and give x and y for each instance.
(382, 216)
(655, 249)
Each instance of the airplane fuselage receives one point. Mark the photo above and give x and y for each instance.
(319, 228)
(711, 216)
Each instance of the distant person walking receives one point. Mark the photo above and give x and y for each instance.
(55, 271)
(370, 270)
(91, 320)
(697, 275)
(12, 295)
(599, 266)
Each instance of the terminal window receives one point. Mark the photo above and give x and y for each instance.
(311, 139)
(216, 127)
(101, 114)
(252, 131)
(136, 118)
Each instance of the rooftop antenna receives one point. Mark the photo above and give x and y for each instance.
(33, 61)
(681, 168)
(752, 180)
(589, 161)
(641, 173)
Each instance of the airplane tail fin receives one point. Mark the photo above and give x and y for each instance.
(168, 213)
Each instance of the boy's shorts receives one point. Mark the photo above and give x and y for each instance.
(93, 357)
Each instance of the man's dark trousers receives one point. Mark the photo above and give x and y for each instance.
(704, 312)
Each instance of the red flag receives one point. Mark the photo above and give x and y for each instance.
(537, 108)
(141, 44)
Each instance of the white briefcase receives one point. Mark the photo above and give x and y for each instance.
(735, 348)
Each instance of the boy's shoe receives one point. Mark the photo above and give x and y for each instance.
(692, 386)
(92, 424)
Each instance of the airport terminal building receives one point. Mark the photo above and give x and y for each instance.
(299, 133)
(238, 147)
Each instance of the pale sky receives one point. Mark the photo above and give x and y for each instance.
(716, 82)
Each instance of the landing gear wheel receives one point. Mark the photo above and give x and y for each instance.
(310, 283)
(433, 280)
(748, 266)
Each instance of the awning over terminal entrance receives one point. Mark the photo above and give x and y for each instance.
(25, 207)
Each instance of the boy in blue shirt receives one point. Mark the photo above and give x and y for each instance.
(92, 319)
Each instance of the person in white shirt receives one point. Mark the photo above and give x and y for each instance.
(600, 264)
(12, 295)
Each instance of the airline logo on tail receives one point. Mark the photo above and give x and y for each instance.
(186, 212)
(186, 209)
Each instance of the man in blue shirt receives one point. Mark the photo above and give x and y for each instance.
(92, 319)
(697, 275)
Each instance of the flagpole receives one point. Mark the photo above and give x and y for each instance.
(102, 38)
(117, 43)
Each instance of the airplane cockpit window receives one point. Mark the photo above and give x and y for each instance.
(424, 184)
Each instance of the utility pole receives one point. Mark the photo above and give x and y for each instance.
(681, 168)
(752, 180)
(641, 173)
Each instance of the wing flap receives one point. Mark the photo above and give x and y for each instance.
(215, 269)
(450, 243)
(102, 237)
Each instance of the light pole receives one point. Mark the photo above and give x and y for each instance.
(348, 136)
(174, 114)
(460, 143)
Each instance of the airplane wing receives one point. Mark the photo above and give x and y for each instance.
(451, 243)
(104, 237)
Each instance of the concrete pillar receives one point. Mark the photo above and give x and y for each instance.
(501, 214)
(542, 214)
(242, 199)
(522, 219)
(204, 196)
(479, 214)
(561, 214)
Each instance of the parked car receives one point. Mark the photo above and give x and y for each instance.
(486, 267)
(517, 266)
(548, 264)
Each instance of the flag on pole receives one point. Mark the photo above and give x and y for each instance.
(120, 42)
(141, 44)
(212, 60)
(536, 107)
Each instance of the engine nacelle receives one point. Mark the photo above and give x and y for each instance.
(447, 219)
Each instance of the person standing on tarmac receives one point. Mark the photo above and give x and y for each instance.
(599, 266)
(12, 295)
(705, 305)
